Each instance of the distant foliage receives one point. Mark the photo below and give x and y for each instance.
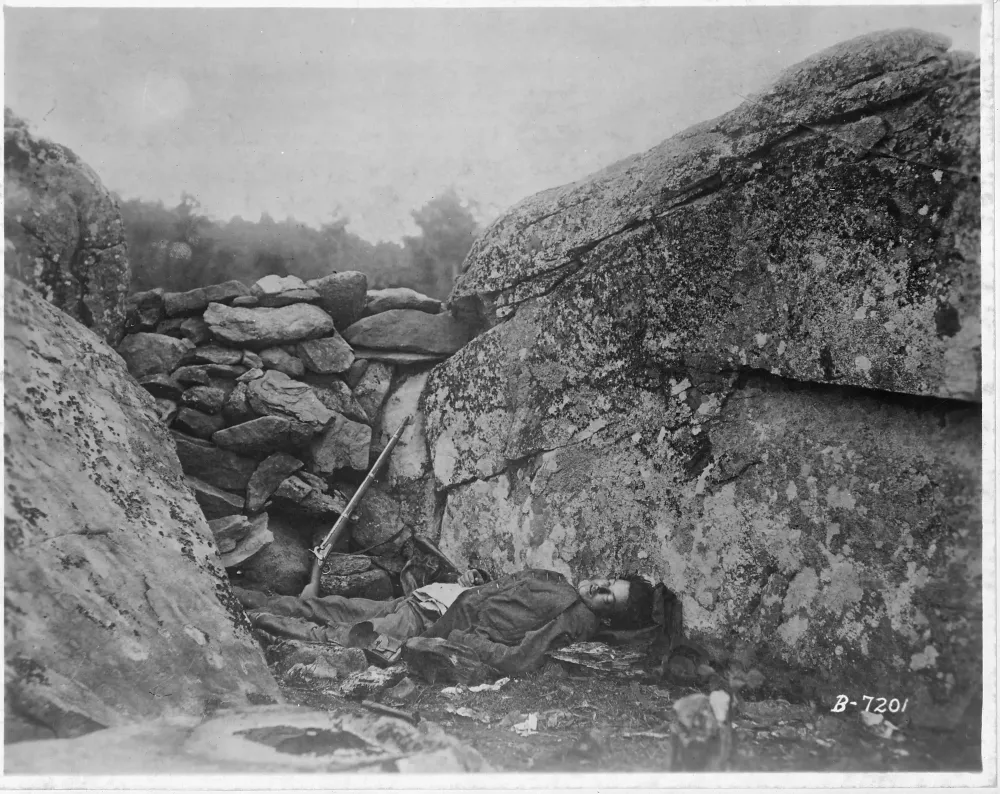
(181, 248)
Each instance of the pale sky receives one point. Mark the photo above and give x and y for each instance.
(370, 113)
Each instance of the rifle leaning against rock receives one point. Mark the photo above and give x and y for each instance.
(337, 531)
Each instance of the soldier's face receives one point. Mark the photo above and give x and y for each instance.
(604, 596)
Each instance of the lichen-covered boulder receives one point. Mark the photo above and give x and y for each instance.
(746, 362)
(116, 604)
(63, 233)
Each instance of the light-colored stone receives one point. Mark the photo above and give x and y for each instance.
(383, 300)
(260, 328)
(117, 608)
(273, 285)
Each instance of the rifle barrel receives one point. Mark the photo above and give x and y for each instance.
(324, 548)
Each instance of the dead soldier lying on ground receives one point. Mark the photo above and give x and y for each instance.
(508, 624)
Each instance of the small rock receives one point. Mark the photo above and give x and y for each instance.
(204, 398)
(196, 330)
(212, 354)
(269, 475)
(161, 385)
(404, 691)
(251, 360)
(198, 424)
(272, 285)
(288, 297)
(148, 354)
(258, 537)
(214, 502)
(229, 531)
(276, 358)
(372, 681)
(329, 355)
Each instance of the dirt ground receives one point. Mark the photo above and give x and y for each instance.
(590, 721)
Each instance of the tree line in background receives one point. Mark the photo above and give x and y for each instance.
(180, 248)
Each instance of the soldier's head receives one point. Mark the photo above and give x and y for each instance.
(626, 603)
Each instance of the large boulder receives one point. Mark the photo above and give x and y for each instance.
(63, 233)
(722, 362)
(263, 327)
(116, 604)
(409, 331)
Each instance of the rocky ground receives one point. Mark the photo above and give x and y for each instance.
(588, 721)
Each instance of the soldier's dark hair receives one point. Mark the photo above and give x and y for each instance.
(639, 608)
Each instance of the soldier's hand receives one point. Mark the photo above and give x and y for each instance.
(470, 579)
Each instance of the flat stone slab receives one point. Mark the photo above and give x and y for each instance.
(289, 297)
(259, 437)
(256, 539)
(270, 474)
(218, 467)
(196, 300)
(383, 300)
(398, 356)
(262, 327)
(274, 285)
(214, 502)
(410, 331)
